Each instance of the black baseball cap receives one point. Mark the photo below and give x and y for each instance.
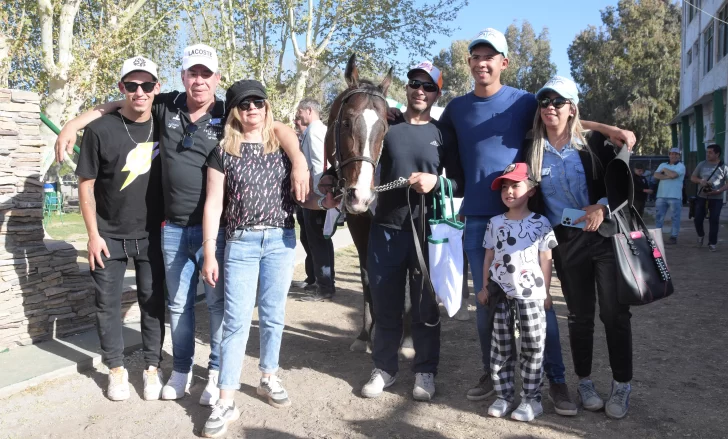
(242, 89)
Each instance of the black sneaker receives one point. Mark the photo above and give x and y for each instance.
(482, 390)
(318, 296)
(222, 415)
(672, 240)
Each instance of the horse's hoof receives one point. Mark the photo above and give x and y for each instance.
(359, 346)
(406, 354)
(462, 314)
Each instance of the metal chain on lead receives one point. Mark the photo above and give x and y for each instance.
(398, 183)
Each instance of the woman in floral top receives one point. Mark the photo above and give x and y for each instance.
(249, 180)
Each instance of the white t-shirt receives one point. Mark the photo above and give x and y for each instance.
(516, 244)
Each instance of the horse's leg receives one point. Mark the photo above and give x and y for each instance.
(407, 348)
(359, 228)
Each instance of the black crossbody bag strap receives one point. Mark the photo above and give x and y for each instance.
(699, 189)
(426, 286)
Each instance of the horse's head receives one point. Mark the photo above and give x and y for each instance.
(357, 125)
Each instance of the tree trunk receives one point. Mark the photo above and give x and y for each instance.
(299, 89)
(4, 61)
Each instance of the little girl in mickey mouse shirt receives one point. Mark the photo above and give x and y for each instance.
(516, 281)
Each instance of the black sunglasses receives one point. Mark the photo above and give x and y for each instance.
(427, 86)
(245, 105)
(188, 141)
(131, 87)
(557, 102)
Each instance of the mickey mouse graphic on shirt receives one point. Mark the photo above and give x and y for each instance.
(503, 235)
(502, 271)
(528, 280)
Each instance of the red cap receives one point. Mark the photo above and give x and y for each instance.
(515, 172)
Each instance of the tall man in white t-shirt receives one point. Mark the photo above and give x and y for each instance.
(669, 192)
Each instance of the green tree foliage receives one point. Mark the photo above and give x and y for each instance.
(529, 58)
(628, 69)
(456, 77)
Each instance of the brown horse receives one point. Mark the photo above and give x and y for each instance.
(357, 125)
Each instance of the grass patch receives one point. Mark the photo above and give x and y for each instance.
(71, 227)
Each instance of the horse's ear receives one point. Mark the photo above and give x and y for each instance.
(352, 72)
(386, 82)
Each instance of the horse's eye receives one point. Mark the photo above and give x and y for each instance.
(345, 123)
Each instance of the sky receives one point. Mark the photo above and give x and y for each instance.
(564, 19)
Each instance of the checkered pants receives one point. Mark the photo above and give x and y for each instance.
(532, 341)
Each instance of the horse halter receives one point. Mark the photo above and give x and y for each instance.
(337, 139)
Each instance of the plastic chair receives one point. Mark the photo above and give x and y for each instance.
(52, 202)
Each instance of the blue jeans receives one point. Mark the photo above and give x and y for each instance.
(182, 247)
(255, 260)
(473, 244)
(553, 363)
(661, 209)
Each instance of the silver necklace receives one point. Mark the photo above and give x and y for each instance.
(151, 129)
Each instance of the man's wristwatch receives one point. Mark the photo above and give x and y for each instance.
(320, 203)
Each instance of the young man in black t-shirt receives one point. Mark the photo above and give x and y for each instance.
(120, 194)
(418, 148)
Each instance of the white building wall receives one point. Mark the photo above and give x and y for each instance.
(694, 82)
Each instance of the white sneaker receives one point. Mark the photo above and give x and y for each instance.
(177, 386)
(272, 389)
(153, 380)
(500, 408)
(527, 410)
(211, 393)
(379, 381)
(118, 388)
(424, 386)
(221, 417)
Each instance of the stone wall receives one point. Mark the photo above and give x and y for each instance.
(43, 294)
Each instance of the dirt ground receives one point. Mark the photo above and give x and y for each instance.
(679, 387)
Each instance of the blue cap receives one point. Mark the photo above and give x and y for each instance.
(564, 87)
(493, 38)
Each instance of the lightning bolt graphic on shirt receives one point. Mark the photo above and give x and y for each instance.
(139, 161)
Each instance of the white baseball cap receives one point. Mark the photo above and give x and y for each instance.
(139, 64)
(430, 69)
(565, 87)
(201, 54)
(493, 38)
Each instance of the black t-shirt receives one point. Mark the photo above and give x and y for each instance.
(127, 190)
(414, 148)
(257, 187)
(640, 184)
(184, 170)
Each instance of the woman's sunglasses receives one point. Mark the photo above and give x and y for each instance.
(131, 87)
(557, 102)
(245, 105)
(429, 87)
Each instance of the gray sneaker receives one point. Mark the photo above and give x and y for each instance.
(424, 386)
(701, 240)
(712, 247)
(483, 390)
(559, 396)
(379, 381)
(618, 403)
(272, 389)
(589, 397)
(222, 415)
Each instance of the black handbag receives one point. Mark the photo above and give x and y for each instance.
(642, 273)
